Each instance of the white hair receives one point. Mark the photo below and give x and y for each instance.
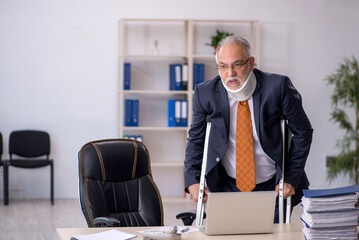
(234, 40)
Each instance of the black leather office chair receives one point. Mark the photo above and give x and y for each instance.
(28, 149)
(116, 185)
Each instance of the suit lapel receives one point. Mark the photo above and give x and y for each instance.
(256, 103)
(222, 100)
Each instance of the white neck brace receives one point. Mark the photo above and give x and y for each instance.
(246, 91)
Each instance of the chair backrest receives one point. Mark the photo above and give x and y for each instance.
(29, 143)
(116, 181)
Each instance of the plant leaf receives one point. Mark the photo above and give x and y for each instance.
(345, 81)
(343, 163)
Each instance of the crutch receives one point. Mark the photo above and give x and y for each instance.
(200, 203)
(202, 184)
(286, 137)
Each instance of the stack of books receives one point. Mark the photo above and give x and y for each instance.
(133, 137)
(331, 213)
(198, 73)
(179, 75)
(177, 113)
(131, 112)
(127, 76)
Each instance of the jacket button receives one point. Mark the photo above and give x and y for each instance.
(217, 159)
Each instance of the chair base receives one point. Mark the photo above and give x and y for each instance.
(6, 181)
(188, 217)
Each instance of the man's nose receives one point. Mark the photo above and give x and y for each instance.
(231, 71)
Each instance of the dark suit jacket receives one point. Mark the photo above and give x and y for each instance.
(275, 97)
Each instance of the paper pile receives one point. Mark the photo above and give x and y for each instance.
(330, 213)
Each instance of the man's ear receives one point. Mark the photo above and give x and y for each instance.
(252, 63)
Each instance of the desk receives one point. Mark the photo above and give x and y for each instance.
(291, 231)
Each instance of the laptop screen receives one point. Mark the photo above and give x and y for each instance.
(240, 212)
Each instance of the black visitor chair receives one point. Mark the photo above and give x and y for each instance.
(28, 149)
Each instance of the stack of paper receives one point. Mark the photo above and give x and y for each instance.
(331, 213)
(113, 234)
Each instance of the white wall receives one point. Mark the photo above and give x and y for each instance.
(58, 69)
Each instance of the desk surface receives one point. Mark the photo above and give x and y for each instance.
(291, 231)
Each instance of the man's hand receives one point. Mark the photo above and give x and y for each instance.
(194, 189)
(288, 190)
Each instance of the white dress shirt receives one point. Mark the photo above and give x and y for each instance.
(264, 165)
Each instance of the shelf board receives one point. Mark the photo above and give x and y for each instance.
(153, 92)
(206, 56)
(167, 164)
(222, 21)
(210, 56)
(150, 56)
(152, 20)
(148, 128)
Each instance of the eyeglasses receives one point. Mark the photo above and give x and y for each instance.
(234, 67)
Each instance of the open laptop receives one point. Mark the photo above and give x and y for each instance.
(239, 213)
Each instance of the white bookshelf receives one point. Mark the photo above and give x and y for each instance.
(178, 41)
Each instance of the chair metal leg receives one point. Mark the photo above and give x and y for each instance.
(52, 183)
(6, 183)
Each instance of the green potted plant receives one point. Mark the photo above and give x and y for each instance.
(215, 39)
(345, 97)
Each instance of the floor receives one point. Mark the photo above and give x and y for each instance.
(38, 219)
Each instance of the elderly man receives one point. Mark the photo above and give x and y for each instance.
(245, 106)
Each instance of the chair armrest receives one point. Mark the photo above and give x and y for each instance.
(106, 222)
(188, 217)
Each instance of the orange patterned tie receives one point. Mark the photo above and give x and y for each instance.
(245, 169)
